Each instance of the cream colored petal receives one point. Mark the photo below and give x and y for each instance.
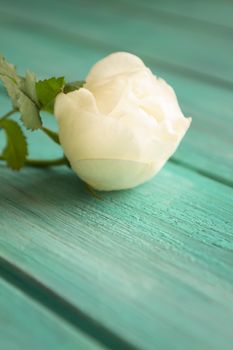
(168, 100)
(128, 133)
(120, 129)
(114, 64)
(74, 102)
(144, 83)
(101, 139)
(109, 93)
(112, 174)
(85, 133)
(166, 90)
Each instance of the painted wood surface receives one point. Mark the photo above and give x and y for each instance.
(207, 12)
(24, 324)
(209, 103)
(149, 268)
(107, 22)
(154, 264)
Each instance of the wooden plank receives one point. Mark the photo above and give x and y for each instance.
(27, 325)
(154, 264)
(212, 12)
(209, 105)
(182, 45)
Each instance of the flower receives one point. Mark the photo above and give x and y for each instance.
(122, 126)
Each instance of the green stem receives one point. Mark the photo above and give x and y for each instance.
(9, 114)
(92, 191)
(44, 163)
(51, 134)
(38, 162)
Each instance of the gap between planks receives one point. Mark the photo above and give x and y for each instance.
(137, 8)
(36, 290)
(25, 22)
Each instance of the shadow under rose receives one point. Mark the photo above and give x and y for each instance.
(36, 203)
(49, 188)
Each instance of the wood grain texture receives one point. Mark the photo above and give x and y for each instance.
(153, 264)
(208, 12)
(26, 325)
(186, 46)
(207, 147)
(149, 268)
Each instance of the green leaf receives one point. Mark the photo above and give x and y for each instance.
(8, 70)
(22, 92)
(15, 151)
(29, 113)
(10, 79)
(28, 102)
(47, 90)
(28, 86)
(75, 85)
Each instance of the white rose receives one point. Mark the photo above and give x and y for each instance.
(122, 126)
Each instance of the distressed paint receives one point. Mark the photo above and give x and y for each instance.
(24, 324)
(154, 263)
(149, 268)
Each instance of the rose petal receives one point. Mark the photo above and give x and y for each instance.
(114, 64)
(112, 174)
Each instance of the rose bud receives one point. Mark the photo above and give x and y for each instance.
(122, 126)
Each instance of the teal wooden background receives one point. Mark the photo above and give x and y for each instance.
(148, 268)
